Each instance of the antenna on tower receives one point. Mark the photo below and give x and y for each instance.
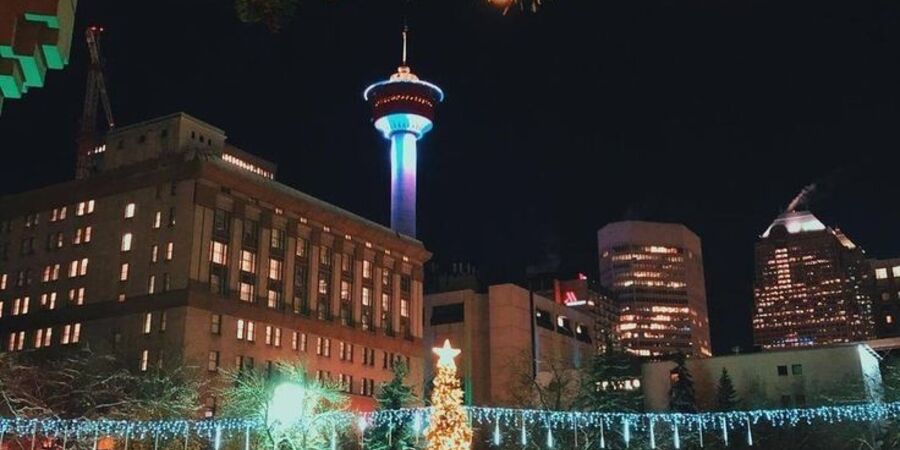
(405, 31)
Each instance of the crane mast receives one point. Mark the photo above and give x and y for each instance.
(89, 147)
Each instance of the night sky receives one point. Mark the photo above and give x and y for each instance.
(713, 113)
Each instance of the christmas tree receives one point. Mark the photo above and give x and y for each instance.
(449, 427)
(394, 395)
(681, 395)
(726, 396)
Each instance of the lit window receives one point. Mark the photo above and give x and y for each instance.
(895, 271)
(123, 272)
(157, 219)
(3, 282)
(129, 210)
(154, 253)
(151, 284)
(251, 331)
(240, 329)
(367, 269)
(126, 242)
(366, 296)
(246, 292)
(404, 308)
(71, 334)
(889, 318)
(212, 364)
(268, 334)
(278, 337)
(218, 253)
(273, 299)
(274, 269)
(148, 323)
(881, 273)
(170, 251)
(76, 296)
(145, 359)
(248, 261)
(86, 207)
(215, 324)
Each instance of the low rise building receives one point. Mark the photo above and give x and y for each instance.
(775, 379)
(885, 284)
(505, 334)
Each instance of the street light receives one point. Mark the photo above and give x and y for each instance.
(287, 404)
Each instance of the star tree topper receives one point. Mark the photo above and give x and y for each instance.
(446, 355)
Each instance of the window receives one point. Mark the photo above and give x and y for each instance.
(162, 321)
(246, 292)
(85, 207)
(3, 279)
(43, 337)
(148, 323)
(16, 341)
(221, 222)
(269, 335)
(542, 319)
(212, 363)
(277, 239)
(129, 211)
(796, 369)
(273, 299)
(366, 318)
(58, 214)
(323, 347)
(881, 273)
(172, 216)
(346, 382)
(895, 271)
(346, 351)
(218, 253)
(367, 387)
(248, 261)
(151, 284)
(240, 329)
(386, 321)
(157, 220)
(82, 236)
(277, 338)
(323, 284)
(386, 279)
(31, 220)
(251, 331)
(76, 296)
(368, 356)
(71, 334)
(302, 247)
(447, 314)
(170, 250)
(215, 324)
(404, 308)
(782, 371)
(347, 265)
(145, 359)
(126, 242)
(275, 269)
(123, 272)
(20, 306)
(154, 253)
(303, 342)
(325, 257)
(367, 269)
(295, 340)
(250, 236)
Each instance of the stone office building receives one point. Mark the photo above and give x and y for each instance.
(180, 245)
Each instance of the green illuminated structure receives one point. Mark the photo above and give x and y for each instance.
(35, 36)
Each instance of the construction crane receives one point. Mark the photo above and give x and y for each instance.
(89, 146)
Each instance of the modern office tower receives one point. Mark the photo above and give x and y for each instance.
(182, 244)
(508, 334)
(885, 274)
(811, 285)
(655, 272)
(403, 111)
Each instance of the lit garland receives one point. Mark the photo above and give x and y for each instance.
(219, 431)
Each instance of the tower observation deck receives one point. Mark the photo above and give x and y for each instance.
(403, 111)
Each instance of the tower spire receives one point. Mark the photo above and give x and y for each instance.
(405, 37)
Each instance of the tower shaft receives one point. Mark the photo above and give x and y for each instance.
(404, 155)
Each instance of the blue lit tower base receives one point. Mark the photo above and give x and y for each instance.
(403, 110)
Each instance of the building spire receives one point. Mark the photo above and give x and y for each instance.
(405, 33)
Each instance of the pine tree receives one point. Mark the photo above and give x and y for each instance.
(394, 395)
(448, 427)
(726, 396)
(681, 395)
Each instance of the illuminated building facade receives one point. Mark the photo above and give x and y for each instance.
(181, 246)
(582, 293)
(655, 272)
(811, 287)
(885, 276)
(35, 36)
(506, 333)
(403, 111)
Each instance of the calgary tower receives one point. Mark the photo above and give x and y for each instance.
(403, 110)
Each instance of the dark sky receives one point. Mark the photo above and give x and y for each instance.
(713, 113)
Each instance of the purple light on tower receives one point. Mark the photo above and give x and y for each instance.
(403, 110)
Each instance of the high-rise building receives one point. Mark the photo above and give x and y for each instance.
(811, 285)
(403, 111)
(182, 245)
(655, 272)
(885, 276)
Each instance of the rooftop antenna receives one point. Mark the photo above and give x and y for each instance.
(405, 32)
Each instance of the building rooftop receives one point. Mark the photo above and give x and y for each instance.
(796, 222)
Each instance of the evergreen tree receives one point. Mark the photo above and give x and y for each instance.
(449, 425)
(726, 396)
(394, 395)
(681, 394)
